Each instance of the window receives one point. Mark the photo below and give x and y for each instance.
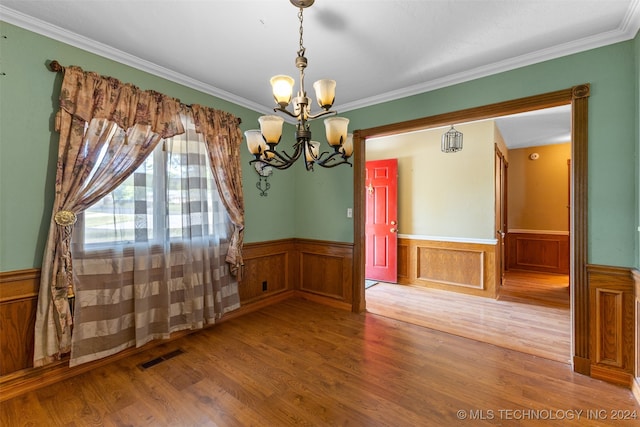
(171, 196)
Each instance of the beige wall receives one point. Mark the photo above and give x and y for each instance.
(538, 190)
(443, 194)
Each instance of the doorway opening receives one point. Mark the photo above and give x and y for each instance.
(534, 269)
(577, 98)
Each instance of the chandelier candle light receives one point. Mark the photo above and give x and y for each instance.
(262, 143)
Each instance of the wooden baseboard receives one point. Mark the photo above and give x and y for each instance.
(614, 376)
(260, 304)
(582, 365)
(320, 299)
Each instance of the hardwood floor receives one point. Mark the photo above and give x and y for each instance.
(531, 314)
(301, 363)
(541, 289)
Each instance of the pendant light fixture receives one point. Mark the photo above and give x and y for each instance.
(262, 143)
(451, 141)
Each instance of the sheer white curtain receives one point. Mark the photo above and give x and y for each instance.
(149, 258)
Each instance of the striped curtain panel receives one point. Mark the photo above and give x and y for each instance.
(149, 259)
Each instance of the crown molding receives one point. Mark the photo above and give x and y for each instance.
(627, 30)
(60, 34)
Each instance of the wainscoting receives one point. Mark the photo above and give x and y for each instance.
(612, 323)
(325, 272)
(636, 383)
(322, 271)
(273, 271)
(538, 251)
(18, 301)
(268, 270)
(468, 268)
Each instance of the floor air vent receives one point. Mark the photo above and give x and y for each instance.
(160, 359)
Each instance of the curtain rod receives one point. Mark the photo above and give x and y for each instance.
(54, 66)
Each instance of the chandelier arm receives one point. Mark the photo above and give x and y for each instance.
(325, 163)
(270, 162)
(287, 112)
(321, 114)
(333, 156)
(282, 160)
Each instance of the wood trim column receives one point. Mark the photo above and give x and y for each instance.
(359, 209)
(580, 290)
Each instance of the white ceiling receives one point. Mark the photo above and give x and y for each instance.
(377, 50)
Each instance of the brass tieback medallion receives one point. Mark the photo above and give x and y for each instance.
(65, 218)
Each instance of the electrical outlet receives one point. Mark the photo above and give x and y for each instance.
(264, 286)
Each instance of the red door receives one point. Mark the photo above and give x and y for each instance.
(381, 225)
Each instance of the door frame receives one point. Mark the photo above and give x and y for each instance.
(578, 98)
(501, 220)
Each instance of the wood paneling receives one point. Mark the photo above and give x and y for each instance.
(547, 253)
(460, 267)
(612, 314)
(268, 268)
(636, 383)
(18, 300)
(403, 260)
(451, 266)
(325, 269)
(609, 311)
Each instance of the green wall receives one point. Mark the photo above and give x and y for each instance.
(313, 205)
(613, 118)
(28, 145)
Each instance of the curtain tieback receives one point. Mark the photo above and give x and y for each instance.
(66, 220)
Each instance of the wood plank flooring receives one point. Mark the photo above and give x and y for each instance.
(531, 315)
(542, 289)
(301, 363)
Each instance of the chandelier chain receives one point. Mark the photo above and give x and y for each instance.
(302, 49)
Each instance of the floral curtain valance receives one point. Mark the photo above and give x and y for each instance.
(87, 95)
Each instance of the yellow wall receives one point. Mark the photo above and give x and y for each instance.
(442, 194)
(538, 190)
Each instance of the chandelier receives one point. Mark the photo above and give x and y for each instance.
(262, 143)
